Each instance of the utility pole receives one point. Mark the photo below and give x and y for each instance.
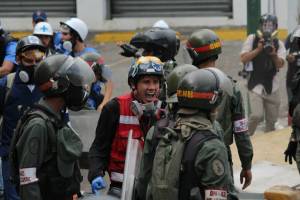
(253, 15)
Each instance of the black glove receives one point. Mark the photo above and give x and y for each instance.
(290, 152)
(128, 50)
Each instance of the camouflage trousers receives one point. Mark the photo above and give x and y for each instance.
(298, 157)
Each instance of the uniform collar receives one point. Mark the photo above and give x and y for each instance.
(43, 103)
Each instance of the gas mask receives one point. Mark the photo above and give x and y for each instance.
(70, 43)
(268, 39)
(29, 60)
(26, 74)
(268, 27)
(67, 45)
(76, 97)
(268, 32)
(149, 110)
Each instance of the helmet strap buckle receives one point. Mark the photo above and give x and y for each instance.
(214, 97)
(54, 84)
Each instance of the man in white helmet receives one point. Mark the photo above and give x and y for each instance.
(73, 33)
(71, 40)
(161, 24)
(44, 32)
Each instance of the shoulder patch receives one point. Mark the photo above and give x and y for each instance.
(218, 167)
(34, 145)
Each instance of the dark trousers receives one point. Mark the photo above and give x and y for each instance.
(10, 192)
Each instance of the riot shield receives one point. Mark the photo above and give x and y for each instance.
(132, 162)
(85, 122)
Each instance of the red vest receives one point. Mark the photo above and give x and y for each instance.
(127, 122)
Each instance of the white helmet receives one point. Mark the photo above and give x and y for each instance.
(161, 24)
(78, 26)
(43, 28)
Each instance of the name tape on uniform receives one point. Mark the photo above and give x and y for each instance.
(28, 175)
(240, 125)
(215, 195)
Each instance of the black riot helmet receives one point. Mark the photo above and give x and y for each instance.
(268, 23)
(294, 40)
(203, 45)
(162, 43)
(28, 43)
(199, 90)
(67, 77)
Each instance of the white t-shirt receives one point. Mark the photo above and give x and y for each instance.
(281, 52)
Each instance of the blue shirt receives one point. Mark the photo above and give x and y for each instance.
(19, 99)
(85, 50)
(10, 52)
(95, 97)
(58, 46)
(57, 43)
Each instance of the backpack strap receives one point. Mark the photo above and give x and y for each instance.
(188, 173)
(9, 83)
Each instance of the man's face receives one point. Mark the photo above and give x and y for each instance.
(65, 33)
(268, 26)
(45, 39)
(147, 89)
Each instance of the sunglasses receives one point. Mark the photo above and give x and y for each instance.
(32, 57)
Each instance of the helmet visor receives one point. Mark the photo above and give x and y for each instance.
(33, 56)
(150, 64)
(80, 73)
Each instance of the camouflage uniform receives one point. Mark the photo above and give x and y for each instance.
(295, 136)
(231, 111)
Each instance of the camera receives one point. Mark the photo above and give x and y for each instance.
(243, 73)
(268, 40)
(297, 58)
(268, 43)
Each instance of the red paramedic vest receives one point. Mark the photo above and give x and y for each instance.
(127, 122)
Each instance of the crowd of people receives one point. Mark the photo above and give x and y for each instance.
(185, 116)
